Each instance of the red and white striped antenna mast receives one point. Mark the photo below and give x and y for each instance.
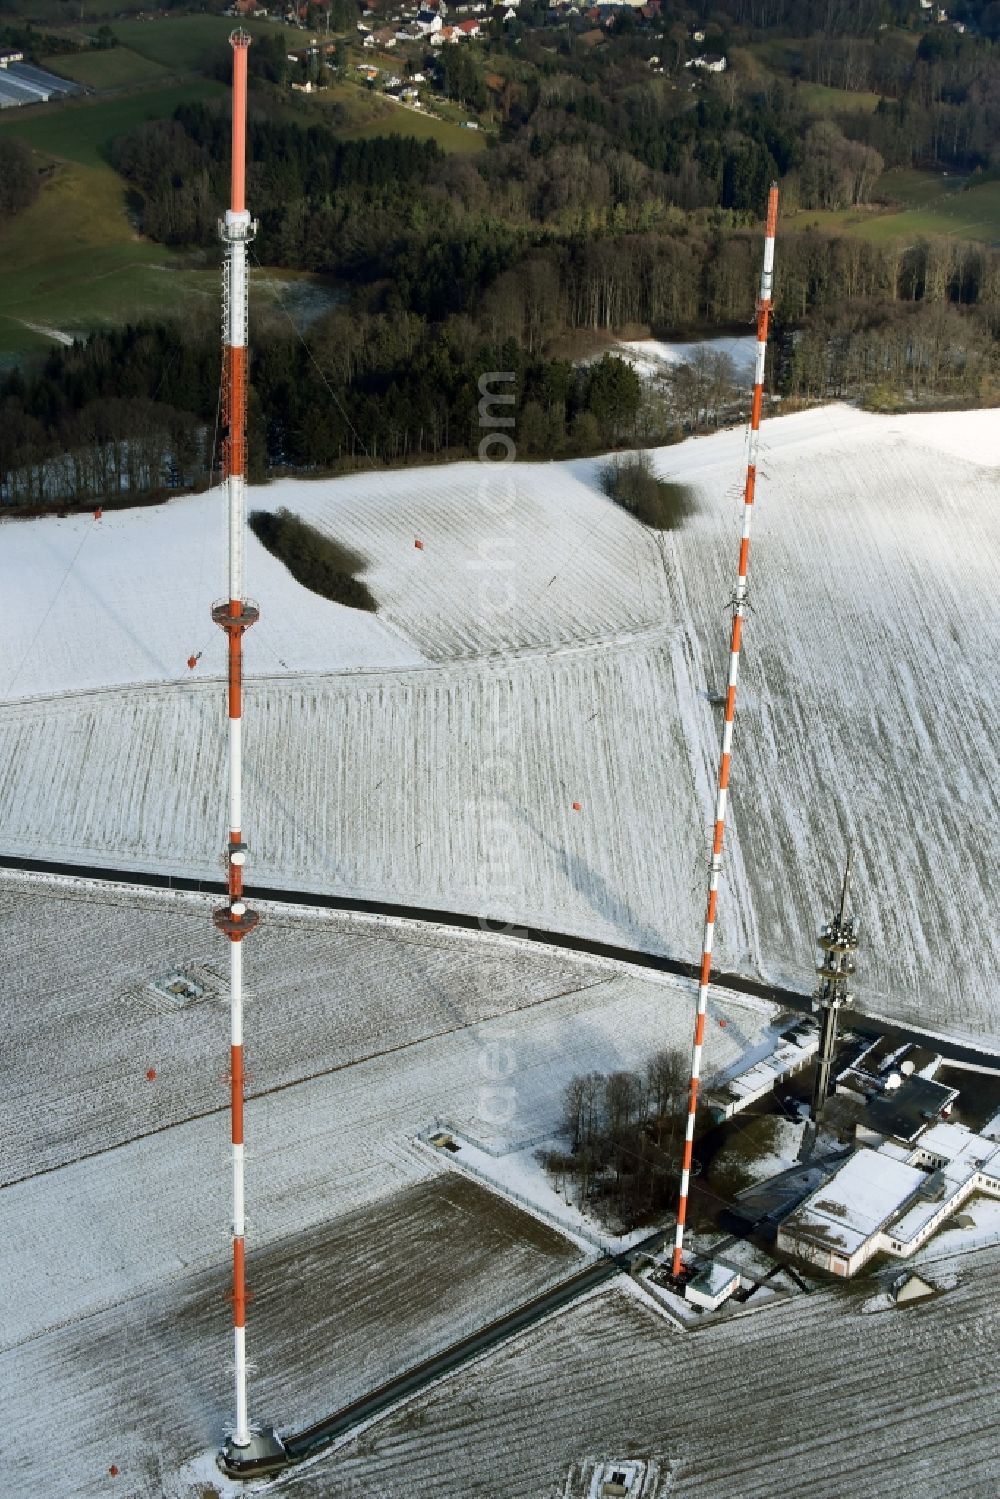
(725, 755)
(246, 1450)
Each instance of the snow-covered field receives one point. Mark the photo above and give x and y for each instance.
(357, 1039)
(867, 708)
(653, 358)
(433, 755)
(90, 604)
(812, 1397)
(365, 1254)
(143, 1383)
(514, 557)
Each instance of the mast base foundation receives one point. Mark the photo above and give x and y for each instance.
(263, 1455)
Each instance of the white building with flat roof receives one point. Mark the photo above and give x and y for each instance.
(797, 1046)
(891, 1200)
(713, 1284)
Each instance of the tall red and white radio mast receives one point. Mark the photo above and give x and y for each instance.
(725, 755)
(246, 1450)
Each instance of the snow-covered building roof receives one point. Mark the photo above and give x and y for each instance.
(883, 1200)
(959, 1160)
(857, 1201)
(795, 1047)
(712, 1284)
(958, 1147)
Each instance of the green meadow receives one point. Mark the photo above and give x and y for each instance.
(74, 260)
(117, 67)
(918, 205)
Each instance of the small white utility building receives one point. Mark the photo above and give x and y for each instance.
(713, 1284)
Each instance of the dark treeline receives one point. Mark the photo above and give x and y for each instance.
(613, 198)
(623, 1131)
(19, 181)
(533, 239)
(18, 36)
(180, 167)
(124, 413)
(135, 409)
(98, 420)
(834, 18)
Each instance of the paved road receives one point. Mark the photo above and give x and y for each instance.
(313, 1439)
(791, 999)
(305, 1443)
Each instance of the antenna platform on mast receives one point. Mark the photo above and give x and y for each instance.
(222, 613)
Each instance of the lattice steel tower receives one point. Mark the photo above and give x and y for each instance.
(839, 941)
(764, 307)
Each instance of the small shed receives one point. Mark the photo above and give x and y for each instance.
(619, 1479)
(713, 1284)
(911, 1287)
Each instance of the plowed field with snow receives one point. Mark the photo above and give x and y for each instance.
(496, 695)
(364, 1254)
(814, 1398)
(358, 1037)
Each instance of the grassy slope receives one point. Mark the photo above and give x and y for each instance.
(188, 43)
(919, 203)
(835, 100)
(399, 121)
(95, 267)
(56, 12)
(118, 67)
(81, 130)
(973, 213)
(929, 205)
(365, 113)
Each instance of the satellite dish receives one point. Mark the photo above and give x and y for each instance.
(906, 1068)
(892, 1082)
